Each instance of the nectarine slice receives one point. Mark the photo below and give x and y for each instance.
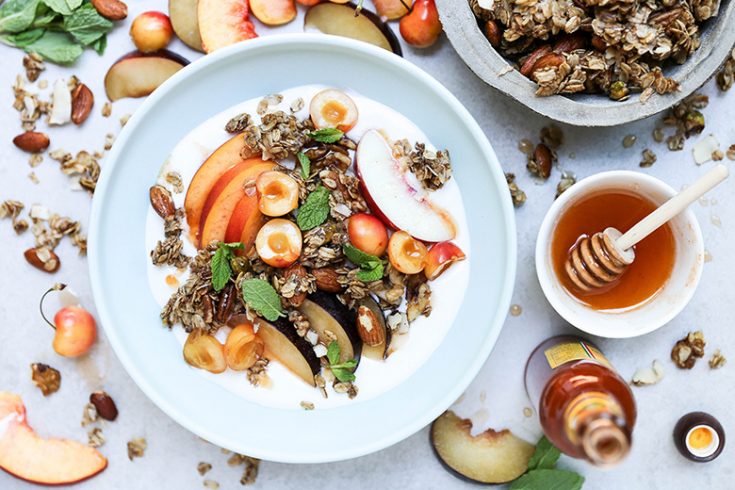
(245, 222)
(273, 12)
(215, 224)
(224, 22)
(25, 455)
(222, 159)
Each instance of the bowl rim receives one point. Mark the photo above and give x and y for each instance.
(496, 320)
(559, 300)
(484, 61)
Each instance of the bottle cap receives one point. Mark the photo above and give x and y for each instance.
(699, 437)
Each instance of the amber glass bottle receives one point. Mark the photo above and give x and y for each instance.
(586, 409)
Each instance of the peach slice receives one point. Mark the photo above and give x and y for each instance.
(279, 243)
(138, 74)
(391, 9)
(387, 191)
(25, 455)
(203, 351)
(242, 348)
(245, 222)
(278, 193)
(441, 255)
(273, 12)
(229, 190)
(222, 159)
(333, 108)
(224, 22)
(406, 254)
(367, 233)
(308, 3)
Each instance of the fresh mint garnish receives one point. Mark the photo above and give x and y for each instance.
(326, 135)
(545, 456)
(342, 371)
(305, 163)
(261, 297)
(542, 473)
(371, 267)
(220, 264)
(315, 209)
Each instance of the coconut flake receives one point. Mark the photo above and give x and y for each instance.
(704, 148)
(320, 350)
(648, 375)
(60, 104)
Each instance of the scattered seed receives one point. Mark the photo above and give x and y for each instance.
(567, 180)
(649, 158)
(306, 405)
(95, 437)
(107, 109)
(658, 135)
(629, 140)
(526, 146)
(203, 468)
(516, 310)
(516, 194)
(211, 484)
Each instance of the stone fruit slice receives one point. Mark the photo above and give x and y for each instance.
(183, 14)
(138, 74)
(325, 312)
(224, 22)
(283, 344)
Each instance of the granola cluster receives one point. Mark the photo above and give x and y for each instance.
(613, 47)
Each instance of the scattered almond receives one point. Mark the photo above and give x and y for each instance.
(528, 65)
(570, 42)
(43, 258)
(111, 9)
(82, 100)
(162, 202)
(104, 404)
(368, 327)
(298, 273)
(548, 60)
(327, 280)
(493, 33)
(32, 141)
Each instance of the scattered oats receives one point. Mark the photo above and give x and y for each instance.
(33, 177)
(687, 120)
(516, 310)
(257, 372)
(726, 75)
(717, 360)
(648, 375)
(211, 484)
(432, 168)
(95, 437)
(526, 146)
(687, 350)
(297, 104)
(567, 180)
(516, 194)
(717, 155)
(137, 447)
(35, 160)
(107, 109)
(46, 378)
(306, 405)
(43, 84)
(109, 141)
(629, 140)
(730, 153)
(124, 120)
(250, 473)
(33, 65)
(174, 179)
(658, 135)
(203, 468)
(238, 123)
(89, 415)
(649, 158)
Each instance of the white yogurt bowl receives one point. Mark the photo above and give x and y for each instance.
(657, 311)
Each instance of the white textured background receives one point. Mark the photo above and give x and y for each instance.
(173, 453)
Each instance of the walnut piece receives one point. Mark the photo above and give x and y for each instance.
(687, 350)
(46, 378)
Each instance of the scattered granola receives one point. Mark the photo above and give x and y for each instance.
(516, 194)
(717, 360)
(687, 120)
(33, 65)
(629, 140)
(432, 168)
(35, 160)
(210, 484)
(109, 141)
(107, 109)
(238, 123)
(730, 153)
(137, 447)
(89, 415)
(33, 177)
(306, 405)
(250, 472)
(649, 158)
(203, 468)
(567, 180)
(726, 75)
(83, 169)
(12, 209)
(46, 378)
(174, 179)
(124, 120)
(95, 437)
(170, 250)
(257, 371)
(687, 350)
(648, 375)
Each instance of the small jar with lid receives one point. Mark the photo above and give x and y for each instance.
(699, 437)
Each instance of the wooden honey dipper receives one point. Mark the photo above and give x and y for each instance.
(600, 259)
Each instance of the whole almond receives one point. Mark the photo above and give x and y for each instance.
(82, 100)
(368, 326)
(327, 280)
(598, 43)
(570, 42)
(162, 202)
(542, 156)
(297, 271)
(104, 404)
(527, 66)
(32, 141)
(111, 9)
(493, 33)
(43, 258)
(547, 61)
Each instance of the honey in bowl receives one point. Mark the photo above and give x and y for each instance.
(620, 209)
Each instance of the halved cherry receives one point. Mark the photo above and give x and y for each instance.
(440, 257)
(333, 108)
(406, 254)
(279, 243)
(242, 347)
(203, 351)
(278, 193)
(368, 233)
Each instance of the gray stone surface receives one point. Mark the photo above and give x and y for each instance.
(173, 452)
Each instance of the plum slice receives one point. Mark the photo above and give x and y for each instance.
(283, 344)
(183, 14)
(340, 20)
(138, 74)
(380, 351)
(490, 457)
(325, 312)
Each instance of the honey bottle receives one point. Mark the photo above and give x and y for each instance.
(586, 409)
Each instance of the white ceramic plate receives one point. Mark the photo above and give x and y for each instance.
(117, 254)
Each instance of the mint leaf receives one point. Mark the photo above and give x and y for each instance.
(333, 352)
(547, 479)
(261, 297)
(350, 364)
(17, 15)
(545, 456)
(220, 264)
(369, 275)
(315, 209)
(100, 45)
(86, 24)
(23, 39)
(326, 135)
(358, 257)
(63, 7)
(56, 47)
(45, 16)
(305, 165)
(343, 375)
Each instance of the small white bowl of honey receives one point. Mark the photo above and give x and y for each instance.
(653, 289)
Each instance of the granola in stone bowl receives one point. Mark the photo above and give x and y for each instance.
(612, 47)
(302, 251)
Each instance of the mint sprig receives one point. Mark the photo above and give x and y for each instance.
(315, 209)
(326, 135)
(544, 456)
(305, 163)
(343, 371)
(261, 297)
(542, 473)
(220, 264)
(371, 267)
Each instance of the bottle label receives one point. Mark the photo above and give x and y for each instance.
(573, 351)
(588, 406)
